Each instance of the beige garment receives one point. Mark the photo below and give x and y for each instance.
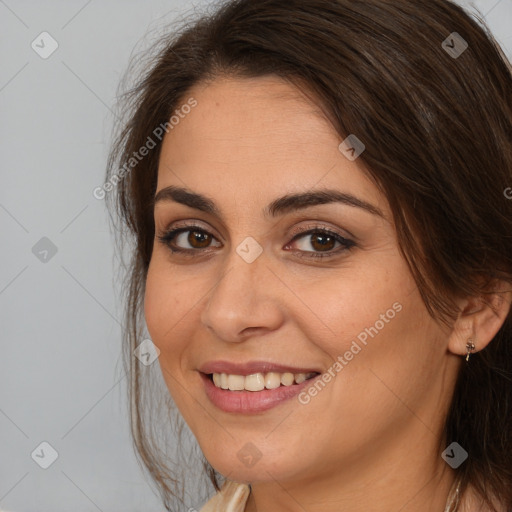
(232, 497)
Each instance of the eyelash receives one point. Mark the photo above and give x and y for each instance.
(167, 237)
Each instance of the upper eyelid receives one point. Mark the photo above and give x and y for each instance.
(311, 224)
(295, 232)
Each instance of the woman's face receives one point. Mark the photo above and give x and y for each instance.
(250, 294)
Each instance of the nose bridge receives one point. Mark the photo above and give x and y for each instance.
(245, 267)
(240, 298)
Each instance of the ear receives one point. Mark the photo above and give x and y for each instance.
(480, 318)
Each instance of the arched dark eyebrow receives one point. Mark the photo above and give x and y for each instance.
(285, 204)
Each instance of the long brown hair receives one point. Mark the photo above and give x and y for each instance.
(436, 119)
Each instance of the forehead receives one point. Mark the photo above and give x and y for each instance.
(257, 137)
(247, 114)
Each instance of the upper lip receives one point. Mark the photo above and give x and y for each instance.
(251, 367)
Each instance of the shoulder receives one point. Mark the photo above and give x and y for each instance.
(232, 497)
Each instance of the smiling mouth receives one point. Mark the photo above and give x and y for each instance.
(258, 381)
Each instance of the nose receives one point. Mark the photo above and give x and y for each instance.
(244, 301)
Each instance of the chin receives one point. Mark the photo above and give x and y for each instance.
(261, 468)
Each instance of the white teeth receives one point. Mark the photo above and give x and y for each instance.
(236, 382)
(287, 379)
(254, 382)
(258, 381)
(272, 380)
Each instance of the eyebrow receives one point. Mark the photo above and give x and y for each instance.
(280, 206)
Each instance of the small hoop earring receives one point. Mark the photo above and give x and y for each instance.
(470, 346)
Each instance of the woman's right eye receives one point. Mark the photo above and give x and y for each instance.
(197, 239)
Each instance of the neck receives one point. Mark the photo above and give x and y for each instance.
(408, 482)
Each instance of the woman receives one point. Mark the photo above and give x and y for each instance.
(316, 192)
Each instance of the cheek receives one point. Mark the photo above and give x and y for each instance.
(153, 306)
(373, 326)
(359, 306)
(162, 308)
(167, 321)
(387, 361)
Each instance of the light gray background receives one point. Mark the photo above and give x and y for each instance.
(61, 378)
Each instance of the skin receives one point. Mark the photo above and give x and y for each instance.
(371, 439)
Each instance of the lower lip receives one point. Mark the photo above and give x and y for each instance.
(247, 402)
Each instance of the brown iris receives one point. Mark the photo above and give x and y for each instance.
(326, 245)
(200, 237)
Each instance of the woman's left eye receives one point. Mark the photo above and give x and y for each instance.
(322, 241)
